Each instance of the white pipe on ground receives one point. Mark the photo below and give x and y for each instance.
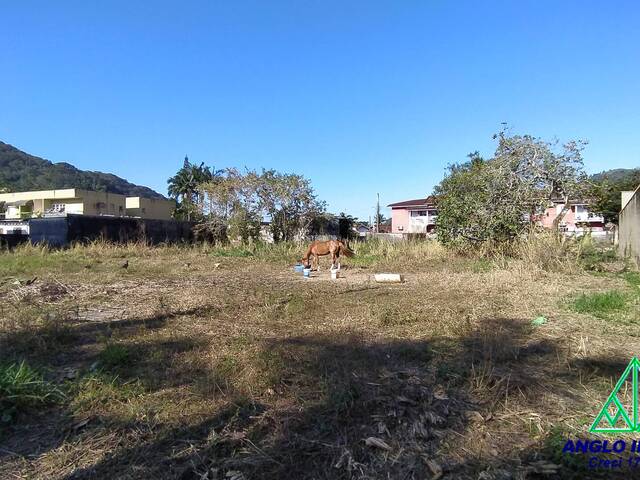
(388, 278)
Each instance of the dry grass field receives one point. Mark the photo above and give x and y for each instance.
(222, 363)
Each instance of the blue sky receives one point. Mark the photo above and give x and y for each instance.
(361, 97)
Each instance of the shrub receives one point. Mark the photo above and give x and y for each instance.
(494, 201)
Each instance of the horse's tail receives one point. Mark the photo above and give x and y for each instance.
(345, 250)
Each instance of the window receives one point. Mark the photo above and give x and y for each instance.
(418, 213)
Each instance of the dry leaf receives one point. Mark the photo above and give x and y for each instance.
(377, 442)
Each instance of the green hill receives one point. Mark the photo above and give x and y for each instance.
(617, 175)
(607, 188)
(20, 171)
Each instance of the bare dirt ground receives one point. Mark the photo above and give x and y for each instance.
(195, 364)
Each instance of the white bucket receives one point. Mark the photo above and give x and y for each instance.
(335, 273)
(306, 273)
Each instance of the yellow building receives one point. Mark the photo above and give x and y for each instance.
(157, 208)
(82, 202)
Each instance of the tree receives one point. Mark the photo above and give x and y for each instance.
(495, 200)
(234, 205)
(346, 224)
(380, 219)
(288, 201)
(230, 207)
(324, 224)
(183, 186)
(606, 193)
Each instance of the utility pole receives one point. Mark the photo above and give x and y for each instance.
(378, 214)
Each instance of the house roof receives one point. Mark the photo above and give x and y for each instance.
(430, 201)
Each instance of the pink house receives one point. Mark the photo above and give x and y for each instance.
(577, 220)
(419, 216)
(414, 216)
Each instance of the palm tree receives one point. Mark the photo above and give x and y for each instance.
(183, 186)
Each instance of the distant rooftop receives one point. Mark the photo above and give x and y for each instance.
(430, 201)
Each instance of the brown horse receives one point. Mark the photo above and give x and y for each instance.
(333, 247)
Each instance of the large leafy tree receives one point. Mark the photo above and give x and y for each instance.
(288, 200)
(495, 200)
(235, 204)
(230, 208)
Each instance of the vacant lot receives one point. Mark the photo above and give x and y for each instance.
(201, 362)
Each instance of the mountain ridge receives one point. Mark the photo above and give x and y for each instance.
(21, 171)
(615, 174)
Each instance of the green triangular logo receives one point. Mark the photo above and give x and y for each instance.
(619, 413)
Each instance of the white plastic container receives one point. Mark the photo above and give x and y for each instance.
(306, 273)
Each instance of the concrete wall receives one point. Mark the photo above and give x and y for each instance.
(626, 196)
(61, 231)
(52, 231)
(156, 208)
(629, 229)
